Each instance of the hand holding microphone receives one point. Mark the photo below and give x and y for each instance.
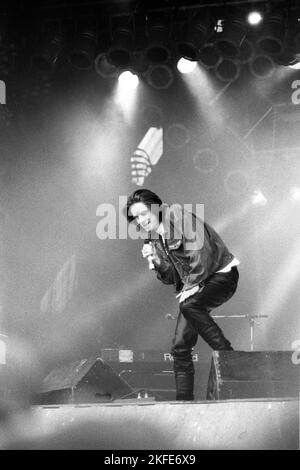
(149, 252)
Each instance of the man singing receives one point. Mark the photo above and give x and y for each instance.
(185, 251)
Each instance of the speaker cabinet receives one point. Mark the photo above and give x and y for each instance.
(83, 381)
(257, 374)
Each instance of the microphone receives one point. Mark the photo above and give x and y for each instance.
(150, 257)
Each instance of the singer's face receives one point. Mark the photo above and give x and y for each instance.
(147, 219)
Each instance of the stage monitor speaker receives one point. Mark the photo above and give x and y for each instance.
(256, 374)
(84, 381)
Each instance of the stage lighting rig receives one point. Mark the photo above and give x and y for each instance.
(83, 53)
(104, 68)
(228, 41)
(160, 76)
(128, 80)
(254, 17)
(262, 66)
(271, 38)
(122, 36)
(46, 58)
(210, 56)
(227, 70)
(186, 66)
(158, 29)
(193, 34)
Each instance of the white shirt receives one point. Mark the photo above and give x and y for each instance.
(234, 262)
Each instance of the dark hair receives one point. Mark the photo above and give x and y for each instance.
(145, 196)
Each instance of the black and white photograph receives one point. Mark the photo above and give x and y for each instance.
(149, 227)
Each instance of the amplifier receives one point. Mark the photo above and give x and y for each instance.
(129, 355)
(151, 372)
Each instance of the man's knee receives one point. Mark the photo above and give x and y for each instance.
(191, 311)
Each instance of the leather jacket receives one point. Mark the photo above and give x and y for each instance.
(190, 251)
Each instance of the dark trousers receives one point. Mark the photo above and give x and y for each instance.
(194, 319)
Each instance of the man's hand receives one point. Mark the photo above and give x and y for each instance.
(187, 293)
(149, 250)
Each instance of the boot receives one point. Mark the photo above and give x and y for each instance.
(184, 386)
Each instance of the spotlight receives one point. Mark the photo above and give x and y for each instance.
(286, 57)
(104, 68)
(46, 59)
(262, 66)
(272, 35)
(84, 51)
(210, 56)
(128, 81)
(258, 199)
(227, 70)
(290, 52)
(295, 66)
(122, 36)
(158, 36)
(160, 77)
(186, 66)
(229, 40)
(254, 18)
(192, 35)
(295, 193)
(139, 62)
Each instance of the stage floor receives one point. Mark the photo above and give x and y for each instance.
(230, 424)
